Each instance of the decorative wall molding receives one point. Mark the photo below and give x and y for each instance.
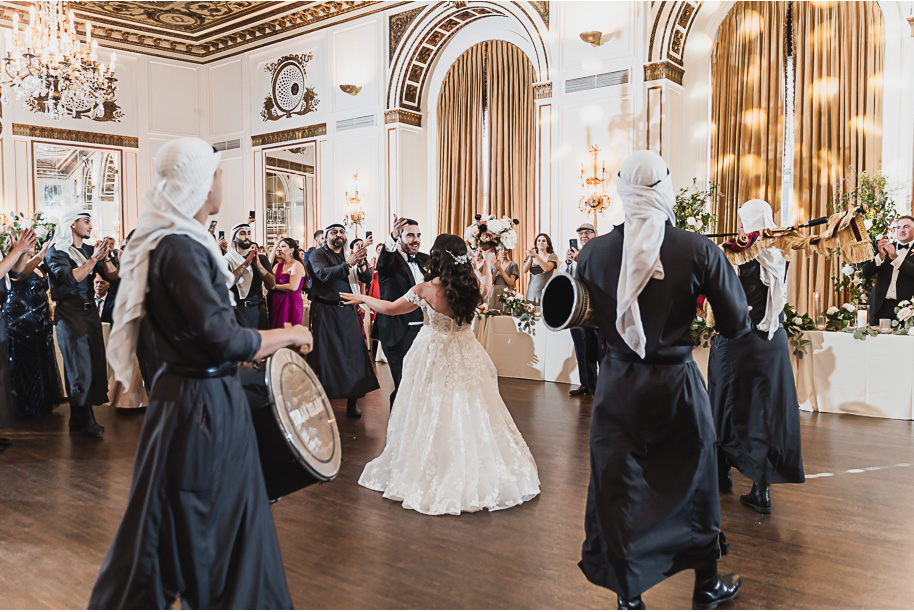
(288, 92)
(542, 91)
(291, 135)
(285, 164)
(663, 70)
(543, 9)
(112, 111)
(398, 115)
(396, 28)
(670, 31)
(49, 133)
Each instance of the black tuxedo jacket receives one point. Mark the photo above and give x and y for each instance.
(904, 286)
(394, 280)
(108, 308)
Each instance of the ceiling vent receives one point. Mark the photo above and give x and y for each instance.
(605, 79)
(355, 123)
(227, 145)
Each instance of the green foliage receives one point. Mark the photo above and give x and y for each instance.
(693, 208)
(9, 232)
(795, 324)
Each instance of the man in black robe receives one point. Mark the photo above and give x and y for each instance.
(72, 265)
(198, 522)
(251, 271)
(340, 359)
(400, 267)
(652, 504)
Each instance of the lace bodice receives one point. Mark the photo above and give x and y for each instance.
(435, 320)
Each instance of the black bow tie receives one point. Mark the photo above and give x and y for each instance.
(902, 246)
(411, 258)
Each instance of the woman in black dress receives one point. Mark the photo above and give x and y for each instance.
(33, 361)
(750, 379)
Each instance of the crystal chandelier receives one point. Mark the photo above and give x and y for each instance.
(46, 64)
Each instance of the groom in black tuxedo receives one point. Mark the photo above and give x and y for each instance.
(894, 270)
(400, 267)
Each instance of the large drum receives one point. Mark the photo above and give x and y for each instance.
(296, 429)
(565, 304)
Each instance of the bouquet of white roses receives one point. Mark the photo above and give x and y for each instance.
(518, 307)
(43, 227)
(904, 318)
(492, 231)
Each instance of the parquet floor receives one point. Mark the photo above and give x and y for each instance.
(838, 541)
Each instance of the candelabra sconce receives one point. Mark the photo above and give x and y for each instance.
(355, 214)
(592, 37)
(352, 90)
(594, 199)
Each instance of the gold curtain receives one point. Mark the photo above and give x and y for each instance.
(460, 142)
(840, 53)
(747, 108)
(512, 140)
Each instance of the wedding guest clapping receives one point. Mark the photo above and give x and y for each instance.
(540, 263)
(288, 305)
(504, 276)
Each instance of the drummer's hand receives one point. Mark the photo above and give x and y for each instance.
(302, 339)
(351, 298)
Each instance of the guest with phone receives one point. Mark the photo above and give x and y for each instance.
(587, 348)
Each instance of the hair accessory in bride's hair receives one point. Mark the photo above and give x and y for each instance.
(461, 259)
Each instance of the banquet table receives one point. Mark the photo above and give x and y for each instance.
(543, 355)
(839, 374)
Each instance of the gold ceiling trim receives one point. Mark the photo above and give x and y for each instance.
(396, 28)
(657, 71)
(286, 164)
(49, 133)
(399, 115)
(291, 135)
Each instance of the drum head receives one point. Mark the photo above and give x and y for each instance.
(302, 408)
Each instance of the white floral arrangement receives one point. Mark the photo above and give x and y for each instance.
(493, 231)
(41, 225)
(903, 323)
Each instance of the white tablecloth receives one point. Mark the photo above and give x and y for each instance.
(871, 377)
(544, 355)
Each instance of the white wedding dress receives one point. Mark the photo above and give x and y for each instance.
(452, 445)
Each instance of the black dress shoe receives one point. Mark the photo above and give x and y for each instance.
(759, 498)
(82, 421)
(636, 603)
(724, 478)
(582, 390)
(352, 409)
(710, 594)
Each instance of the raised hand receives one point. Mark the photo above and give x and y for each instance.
(399, 224)
(880, 245)
(25, 243)
(223, 245)
(351, 298)
(101, 250)
(890, 251)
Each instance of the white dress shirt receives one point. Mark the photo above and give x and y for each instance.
(100, 303)
(892, 292)
(391, 245)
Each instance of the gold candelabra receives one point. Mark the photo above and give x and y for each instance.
(594, 199)
(355, 214)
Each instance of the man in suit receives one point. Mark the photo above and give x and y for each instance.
(894, 271)
(104, 299)
(400, 267)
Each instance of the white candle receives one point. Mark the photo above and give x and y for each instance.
(815, 304)
(861, 318)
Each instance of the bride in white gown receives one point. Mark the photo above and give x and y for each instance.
(452, 445)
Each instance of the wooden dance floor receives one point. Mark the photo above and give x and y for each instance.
(842, 540)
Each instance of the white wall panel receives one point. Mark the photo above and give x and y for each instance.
(226, 108)
(358, 156)
(355, 62)
(234, 207)
(619, 22)
(173, 99)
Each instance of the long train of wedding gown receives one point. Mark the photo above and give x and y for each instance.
(452, 445)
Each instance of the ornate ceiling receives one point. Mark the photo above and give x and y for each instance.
(204, 31)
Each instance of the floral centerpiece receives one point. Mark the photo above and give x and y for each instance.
(491, 231)
(903, 323)
(517, 306)
(692, 208)
(9, 232)
(837, 319)
(795, 324)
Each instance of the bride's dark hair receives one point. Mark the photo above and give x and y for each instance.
(461, 288)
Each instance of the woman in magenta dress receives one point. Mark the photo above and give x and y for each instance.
(288, 306)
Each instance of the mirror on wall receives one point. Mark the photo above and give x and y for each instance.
(289, 193)
(68, 176)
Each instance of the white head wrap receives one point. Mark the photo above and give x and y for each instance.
(235, 259)
(184, 174)
(63, 234)
(646, 190)
(756, 215)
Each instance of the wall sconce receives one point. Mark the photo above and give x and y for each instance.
(593, 37)
(352, 90)
(594, 199)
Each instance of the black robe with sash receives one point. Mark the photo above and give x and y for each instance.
(198, 521)
(79, 328)
(754, 395)
(652, 504)
(340, 357)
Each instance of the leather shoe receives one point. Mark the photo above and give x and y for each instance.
(582, 390)
(724, 478)
(352, 409)
(759, 498)
(712, 593)
(82, 421)
(636, 603)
